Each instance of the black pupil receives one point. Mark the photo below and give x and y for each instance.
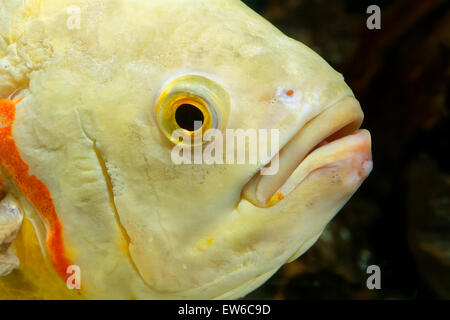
(186, 116)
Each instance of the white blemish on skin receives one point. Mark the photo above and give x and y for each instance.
(362, 168)
(113, 172)
(354, 178)
(306, 111)
(251, 50)
(367, 167)
(295, 100)
(291, 98)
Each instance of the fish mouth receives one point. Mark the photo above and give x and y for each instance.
(331, 138)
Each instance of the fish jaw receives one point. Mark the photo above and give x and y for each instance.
(348, 161)
(314, 193)
(334, 122)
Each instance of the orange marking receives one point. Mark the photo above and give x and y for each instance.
(290, 93)
(35, 190)
(277, 197)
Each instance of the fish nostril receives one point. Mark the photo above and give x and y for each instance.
(187, 115)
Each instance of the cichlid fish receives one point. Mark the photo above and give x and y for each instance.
(93, 205)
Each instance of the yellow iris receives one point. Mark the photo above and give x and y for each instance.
(193, 105)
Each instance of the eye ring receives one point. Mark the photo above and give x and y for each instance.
(188, 99)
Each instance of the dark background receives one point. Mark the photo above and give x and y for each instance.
(400, 218)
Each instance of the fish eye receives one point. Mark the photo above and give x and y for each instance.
(194, 105)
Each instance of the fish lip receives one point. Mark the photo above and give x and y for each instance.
(347, 127)
(296, 133)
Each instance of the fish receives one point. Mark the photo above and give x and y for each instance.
(93, 205)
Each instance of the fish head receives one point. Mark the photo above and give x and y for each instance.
(97, 122)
